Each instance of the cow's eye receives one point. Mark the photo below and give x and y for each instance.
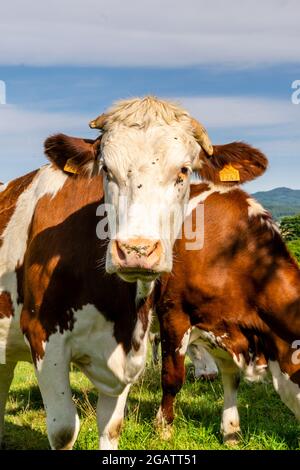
(104, 168)
(184, 170)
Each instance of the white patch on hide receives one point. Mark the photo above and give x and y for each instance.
(288, 391)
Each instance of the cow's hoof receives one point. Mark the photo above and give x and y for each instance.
(208, 377)
(165, 429)
(232, 439)
(201, 374)
(166, 432)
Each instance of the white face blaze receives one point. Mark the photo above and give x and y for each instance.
(147, 179)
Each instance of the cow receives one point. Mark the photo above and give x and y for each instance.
(238, 296)
(82, 243)
(204, 366)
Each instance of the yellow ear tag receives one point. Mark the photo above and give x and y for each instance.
(229, 173)
(70, 169)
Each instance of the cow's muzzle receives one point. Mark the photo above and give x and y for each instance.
(136, 258)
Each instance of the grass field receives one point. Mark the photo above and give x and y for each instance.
(266, 422)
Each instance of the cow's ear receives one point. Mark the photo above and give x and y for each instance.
(72, 154)
(234, 163)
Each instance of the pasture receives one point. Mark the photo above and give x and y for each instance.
(265, 421)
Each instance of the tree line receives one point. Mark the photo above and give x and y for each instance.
(290, 230)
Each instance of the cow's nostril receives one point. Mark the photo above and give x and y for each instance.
(120, 251)
(152, 249)
(136, 253)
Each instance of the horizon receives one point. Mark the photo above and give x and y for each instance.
(279, 187)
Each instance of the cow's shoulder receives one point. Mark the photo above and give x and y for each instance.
(9, 195)
(76, 201)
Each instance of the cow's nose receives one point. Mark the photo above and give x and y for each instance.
(137, 253)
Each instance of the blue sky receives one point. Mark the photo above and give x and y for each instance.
(231, 68)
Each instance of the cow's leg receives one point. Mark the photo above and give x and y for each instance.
(230, 424)
(6, 376)
(62, 420)
(110, 416)
(173, 376)
(204, 364)
(288, 389)
(155, 341)
(174, 345)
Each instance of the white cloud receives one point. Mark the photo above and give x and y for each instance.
(272, 125)
(216, 112)
(241, 111)
(160, 33)
(22, 133)
(280, 148)
(14, 120)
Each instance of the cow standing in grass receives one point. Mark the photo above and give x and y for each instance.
(238, 296)
(57, 302)
(204, 366)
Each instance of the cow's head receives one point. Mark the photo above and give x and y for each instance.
(148, 152)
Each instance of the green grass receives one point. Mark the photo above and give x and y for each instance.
(294, 247)
(266, 422)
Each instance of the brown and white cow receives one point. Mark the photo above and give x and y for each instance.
(204, 366)
(238, 296)
(57, 303)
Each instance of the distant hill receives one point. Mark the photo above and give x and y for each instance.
(280, 201)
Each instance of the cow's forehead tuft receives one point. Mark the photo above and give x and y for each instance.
(159, 146)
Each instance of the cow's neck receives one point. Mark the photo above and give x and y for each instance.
(144, 302)
(143, 290)
(141, 323)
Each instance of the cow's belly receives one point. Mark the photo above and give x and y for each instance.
(101, 358)
(254, 369)
(213, 344)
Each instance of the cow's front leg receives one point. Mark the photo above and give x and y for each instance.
(6, 376)
(174, 344)
(52, 372)
(230, 424)
(110, 416)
